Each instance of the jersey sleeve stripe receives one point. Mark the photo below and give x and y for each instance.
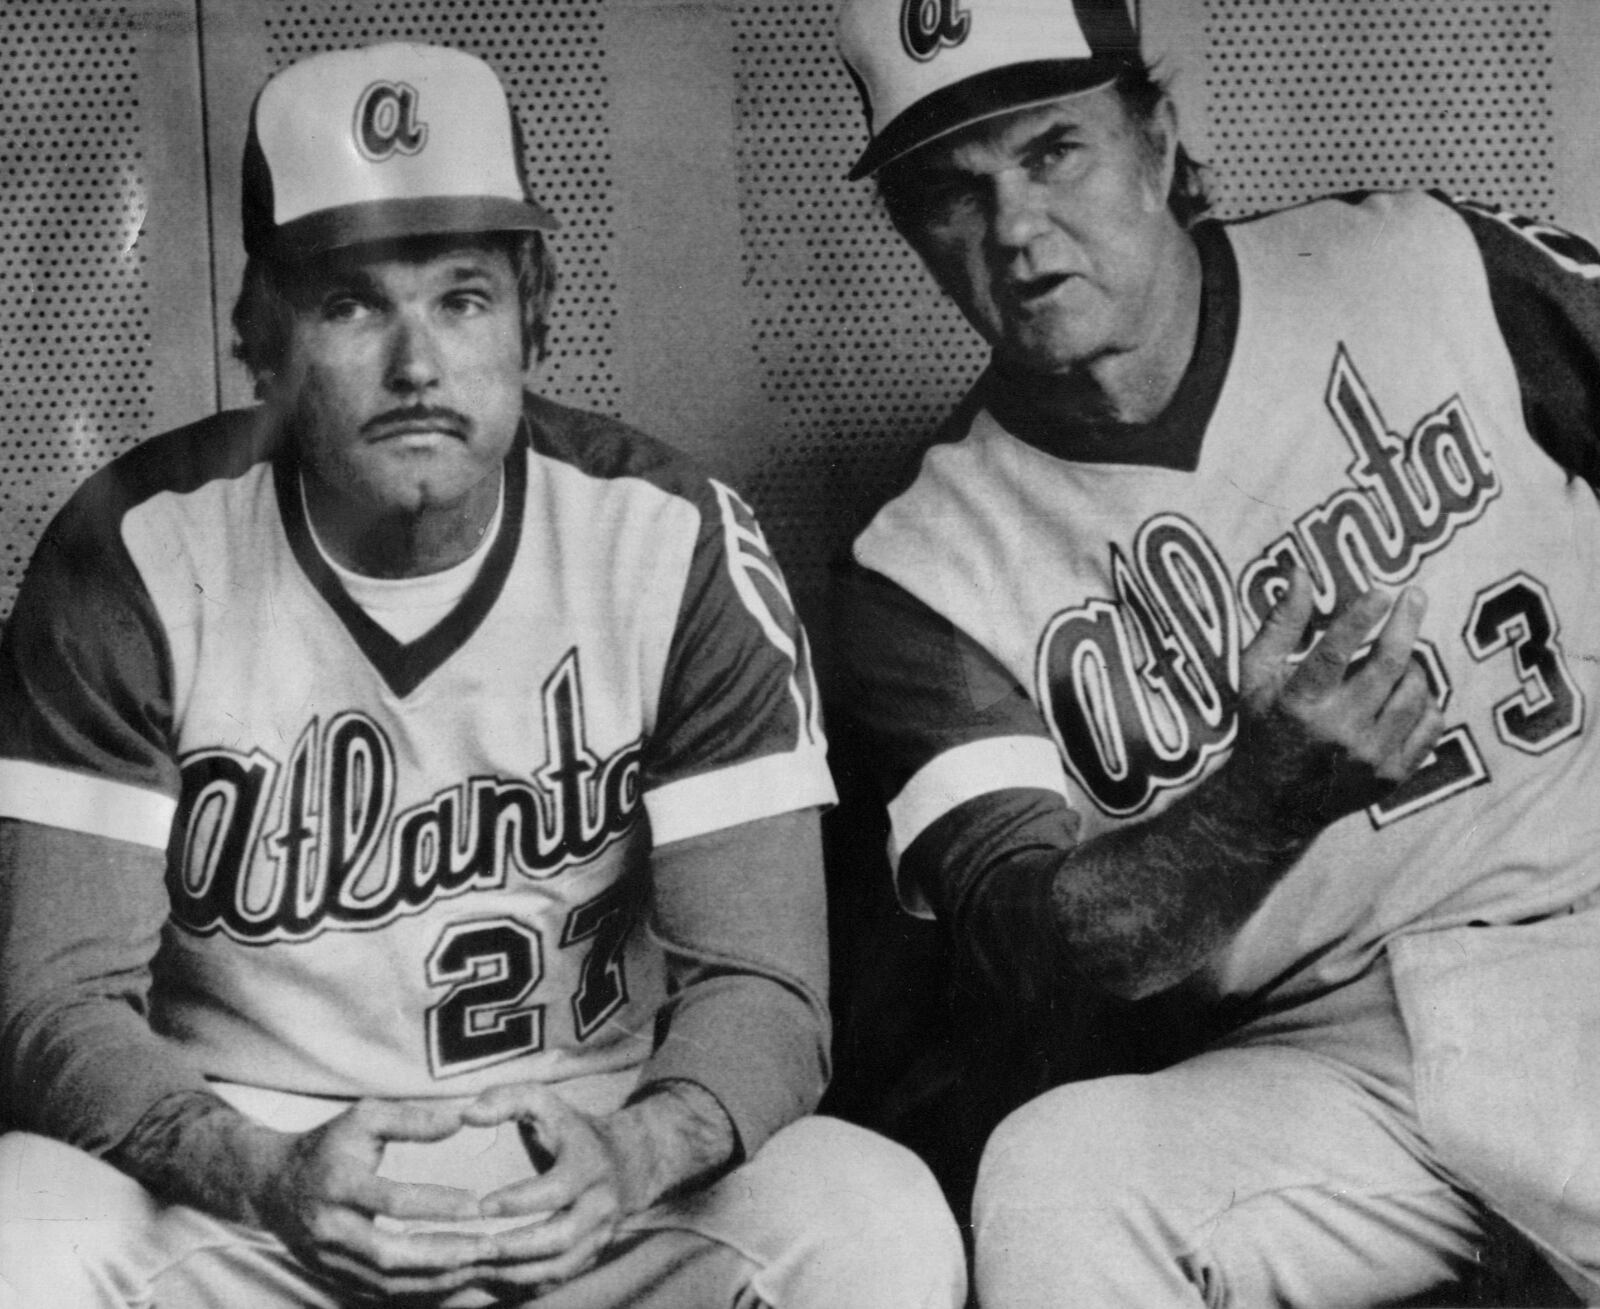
(81, 803)
(997, 763)
(761, 788)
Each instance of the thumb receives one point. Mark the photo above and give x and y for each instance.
(1265, 665)
(410, 1120)
(516, 1102)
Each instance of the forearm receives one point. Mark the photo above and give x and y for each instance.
(80, 919)
(1139, 909)
(739, 915)
(87, 1071)
(1131, 912)
(192, 1148)
(672, 1137)
(1142, 907)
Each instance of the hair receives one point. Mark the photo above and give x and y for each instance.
(264, 313)
(1141, 91)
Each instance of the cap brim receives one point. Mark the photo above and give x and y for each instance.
(391, 220)
(986, 95)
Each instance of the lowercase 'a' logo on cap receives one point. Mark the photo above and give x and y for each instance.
(386, 121)
(925, 25)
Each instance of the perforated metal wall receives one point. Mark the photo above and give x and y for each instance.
(855, 354)
(550, 55)
(76, 376)
(1311, 96)
(860, 354)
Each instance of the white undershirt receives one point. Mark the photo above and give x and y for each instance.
(407, 607)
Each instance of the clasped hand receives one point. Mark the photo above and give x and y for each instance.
(1336, 731)
(326, 1198)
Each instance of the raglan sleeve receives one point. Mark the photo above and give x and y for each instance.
(87, 792)
(980, 822)
(734, 777)
(971, 777)
(1544, 283)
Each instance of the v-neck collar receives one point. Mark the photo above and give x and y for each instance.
(1024, 406)
(404, 666)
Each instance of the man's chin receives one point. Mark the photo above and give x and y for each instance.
(1047, 357)
(415, 476)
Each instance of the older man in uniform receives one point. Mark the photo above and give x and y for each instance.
(1231, 650)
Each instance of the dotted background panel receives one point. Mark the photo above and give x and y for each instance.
(856, 355)
(860, 354)
(550, 55)
(1311, 96)
(76, 366)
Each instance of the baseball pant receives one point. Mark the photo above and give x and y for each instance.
(825, 1216)
(1288, 1168)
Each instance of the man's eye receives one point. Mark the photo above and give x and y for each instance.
(947, 200)
(465, 303)
(1053, 156)
(344, 309)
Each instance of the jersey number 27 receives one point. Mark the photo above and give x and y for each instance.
(493, 967)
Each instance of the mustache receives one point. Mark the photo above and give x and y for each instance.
(431, 416)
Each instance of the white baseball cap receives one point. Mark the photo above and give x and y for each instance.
(925, 68)
(388, 141)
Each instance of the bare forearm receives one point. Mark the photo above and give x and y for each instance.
(194, 1149)
(671, 1139)
(1129, 913)
(1139, 909)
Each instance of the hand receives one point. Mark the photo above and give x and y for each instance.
(1332, 735)
(324, 1195)
(588, 1184)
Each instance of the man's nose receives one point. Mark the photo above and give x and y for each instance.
(413, 364)
(1018, 208)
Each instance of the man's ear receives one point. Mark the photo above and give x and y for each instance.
(1163, 139)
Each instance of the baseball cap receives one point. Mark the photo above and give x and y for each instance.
(925, 68)
(386, 141)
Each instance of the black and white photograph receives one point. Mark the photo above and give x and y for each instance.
(849, 654)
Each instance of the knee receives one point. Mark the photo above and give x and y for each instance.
(1063, 1181)
(877, 1228)
(61, 1214)
(892, 1182)
(1077, 1145)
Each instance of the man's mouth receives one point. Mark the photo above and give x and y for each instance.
(1027, 291)
(399, 423)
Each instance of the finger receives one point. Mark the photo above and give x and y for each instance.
(535, 1242)
(390, 1288)
(596, 1210)
(544, 1120)
(409, 1120)
(560, 1248)
(361, 1243)
(1325, 666)
(1391, 662)
(424, 1201)
(550, 1192)
(1285, 625)
(1419, 743)
(554, 1271)
(351, 1156)
(515, 1100)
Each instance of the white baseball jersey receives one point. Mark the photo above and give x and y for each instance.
(1387, 389)
(407, 868)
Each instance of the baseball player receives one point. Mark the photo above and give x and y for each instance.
(410, 790)
(1232, 648)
